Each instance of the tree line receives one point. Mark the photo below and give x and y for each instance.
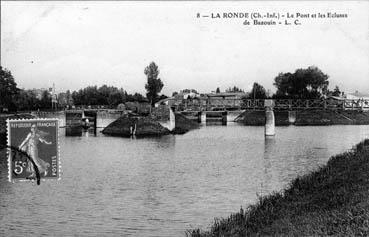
(14, 98)
(309, 83)
(104, 95)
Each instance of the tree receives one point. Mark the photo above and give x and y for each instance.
(104, 95)
(336, 91)
(135, 97)
(217, 90)
(69, 99)
(310, 83)
(8, 89)
(257, 92)
(116, 97)
(45, 100)
(234, 89)
(185, 91)
(154, 84)
(162, 97)
(27, 100)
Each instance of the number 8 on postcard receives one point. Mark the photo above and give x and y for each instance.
(33, 148)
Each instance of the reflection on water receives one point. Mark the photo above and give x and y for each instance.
(161, 186)
(73, 131)
(269, 146)
(78, 131)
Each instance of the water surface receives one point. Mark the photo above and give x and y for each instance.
(115, 186)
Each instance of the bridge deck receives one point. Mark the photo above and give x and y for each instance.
(285, 104)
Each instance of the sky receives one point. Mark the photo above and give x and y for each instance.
(77, 44)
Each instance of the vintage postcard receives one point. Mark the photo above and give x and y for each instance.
(33, 149)
(184, 118)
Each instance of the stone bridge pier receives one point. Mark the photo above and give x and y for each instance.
(171, 123)
(269, 118)
(291, 117)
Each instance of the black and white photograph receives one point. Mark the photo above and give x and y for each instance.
(184, 118)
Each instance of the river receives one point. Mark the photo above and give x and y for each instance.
(114, 186)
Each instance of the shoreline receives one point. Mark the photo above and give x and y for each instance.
(307, 118)
(248, 118)
(333, 200)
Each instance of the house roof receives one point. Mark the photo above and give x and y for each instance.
(164, 100)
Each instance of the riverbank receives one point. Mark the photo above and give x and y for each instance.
(308, 117)
(334, 200)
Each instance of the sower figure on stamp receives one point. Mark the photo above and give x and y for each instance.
(30, 145)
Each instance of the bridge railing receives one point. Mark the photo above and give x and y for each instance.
(281, 104)
(253, 104)
(331, 104)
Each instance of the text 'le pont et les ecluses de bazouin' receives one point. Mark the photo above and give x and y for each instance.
(273, 18)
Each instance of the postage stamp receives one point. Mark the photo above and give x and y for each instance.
(33, 149)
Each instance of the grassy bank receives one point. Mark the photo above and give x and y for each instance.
(333, 200)
(308, 117)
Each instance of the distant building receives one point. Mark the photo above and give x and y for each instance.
(225, 99)
(352, 101)
(177, 99)
(210, 101)
(357, 95)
